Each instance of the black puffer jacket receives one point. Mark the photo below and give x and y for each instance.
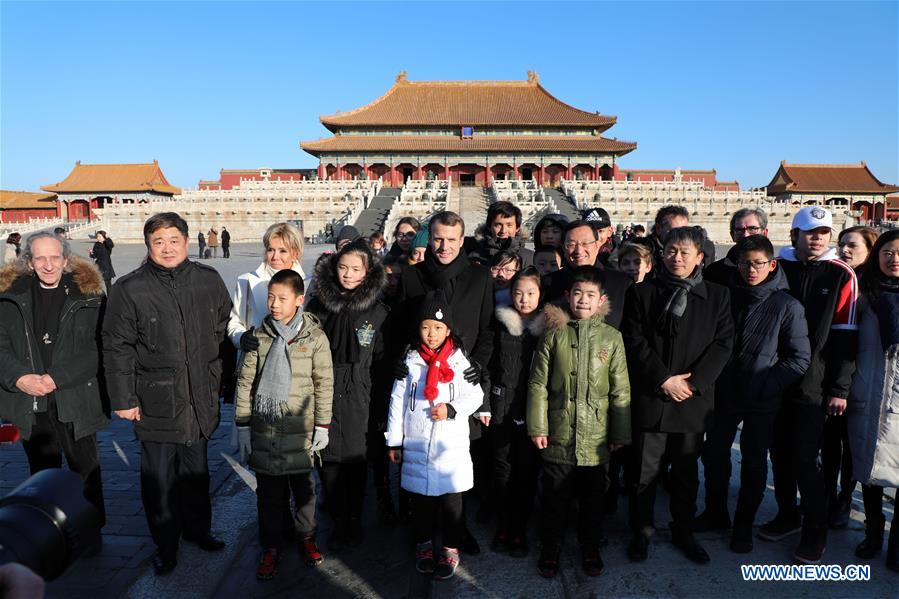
(76, 363)
(722, 271)
(352, 382)
(771, 347)
(514, 343)
(163, 337)
(483, 250)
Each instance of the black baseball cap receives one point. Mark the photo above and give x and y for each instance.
(597, 217)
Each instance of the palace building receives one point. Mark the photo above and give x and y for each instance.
(843, 187)
(23, 206)
(91, 186)
(469, 132)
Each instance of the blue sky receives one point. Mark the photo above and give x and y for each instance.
(202, 86)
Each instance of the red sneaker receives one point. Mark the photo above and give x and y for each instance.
(311, 552)
(268, 564)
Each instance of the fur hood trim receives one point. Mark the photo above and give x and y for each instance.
(360, 299)
(516, 325)
(84, 274)
(557, 317)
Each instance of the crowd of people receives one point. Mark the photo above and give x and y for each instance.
(492, 375)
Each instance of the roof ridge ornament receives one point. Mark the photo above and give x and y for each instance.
(533, 77)
(401, 76)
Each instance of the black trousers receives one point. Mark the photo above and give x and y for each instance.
(344, 487)
(798, 430)
(836, 460)
(427, 510)
(276, 519)
(682, 451)
(226, 251)
(562, 483)
(174, 487)
(872, 495)
(51, 439)
(755, 440)
(516, 464)
(202, 250)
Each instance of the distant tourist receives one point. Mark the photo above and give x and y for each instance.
(61, 232)
(201, 244)
(226, 243)
(13, 241)
(50, 307)
(164, 372)
(212, 240)
(101, 252)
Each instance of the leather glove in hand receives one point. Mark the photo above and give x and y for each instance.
(319, 438)
(248, 341)
(473, 373)
(243, 443)
(400, 370)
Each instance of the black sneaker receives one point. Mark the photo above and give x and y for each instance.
(548, 562)
(838, 518)
(591, 561)
(780, 527)
(424, 558)
(449, 561)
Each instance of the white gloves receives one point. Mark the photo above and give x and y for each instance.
(319, 438)
(243, 443)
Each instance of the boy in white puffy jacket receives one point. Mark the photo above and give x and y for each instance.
(427, 431)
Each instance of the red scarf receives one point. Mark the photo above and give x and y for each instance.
(438, 369)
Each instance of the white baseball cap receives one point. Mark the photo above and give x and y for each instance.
(812, 217)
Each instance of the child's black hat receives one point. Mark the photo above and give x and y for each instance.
(435, 307)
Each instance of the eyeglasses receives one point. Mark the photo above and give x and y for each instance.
(506, 270)
(573, 245)
(755, 265)
(750, 230)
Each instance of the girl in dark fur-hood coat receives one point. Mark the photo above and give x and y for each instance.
(353, 320)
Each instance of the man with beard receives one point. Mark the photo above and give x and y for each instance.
(503, 228)
(468, 288)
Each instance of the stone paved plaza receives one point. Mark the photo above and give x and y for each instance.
(383, 566)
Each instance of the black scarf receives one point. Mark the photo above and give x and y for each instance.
(438, 275)
(676, 304)
(340, 327)
(886, 306)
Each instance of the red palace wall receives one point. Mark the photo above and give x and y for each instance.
(22, 215)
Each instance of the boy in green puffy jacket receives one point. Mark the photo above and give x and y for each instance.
(282, 411)
(578, 413)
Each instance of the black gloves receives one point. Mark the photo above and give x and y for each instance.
(473, 373)
(248, 341)
(400, 370)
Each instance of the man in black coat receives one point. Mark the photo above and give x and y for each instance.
(468, 288)
(743, 223)
(502, 233)
(163, 334)
(226, 243)
(678, 333)
(50, 306)
(581, 248)
(101, 252)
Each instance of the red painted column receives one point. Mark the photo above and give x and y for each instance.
(542, 174)
(392, 175)
(446, 171)
(568, 172)
(418, 171)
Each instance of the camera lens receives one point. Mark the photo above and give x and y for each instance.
(46, 523)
